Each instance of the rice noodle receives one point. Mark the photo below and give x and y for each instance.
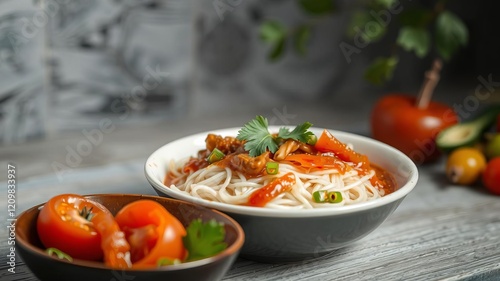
(220, 184)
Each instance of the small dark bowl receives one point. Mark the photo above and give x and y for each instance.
(50, 268)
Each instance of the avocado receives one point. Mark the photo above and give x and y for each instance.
(467, 133)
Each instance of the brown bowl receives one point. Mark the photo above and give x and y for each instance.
(46, 267)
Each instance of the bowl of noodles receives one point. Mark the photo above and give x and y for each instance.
(298, 192)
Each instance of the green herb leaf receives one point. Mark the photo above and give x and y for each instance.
(451, 33)
(365, 26)
(301, 38)
(300, 133)
(414, 39)
(317, 7)
(381, 70)
(257, 136)
(259, 139)
(274, 33)
(277, 50)
(204, 239)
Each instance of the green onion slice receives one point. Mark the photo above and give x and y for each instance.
(59, 254)
(272, 168)
(322, 196)
(215, 155)
(335, 197)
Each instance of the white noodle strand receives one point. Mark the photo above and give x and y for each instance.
(223, 185)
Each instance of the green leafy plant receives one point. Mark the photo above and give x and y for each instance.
(422, 30)
(204, 239)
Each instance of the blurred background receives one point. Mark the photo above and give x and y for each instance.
(67, 64)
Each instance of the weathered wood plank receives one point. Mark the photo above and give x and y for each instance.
(425, 239)
(440, 232)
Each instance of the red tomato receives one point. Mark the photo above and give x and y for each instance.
(262, 196)
(397, 121)
(74, 225)
(311, 162)
(113, 243)
(152, 232)
(491, 176)
(328, 143)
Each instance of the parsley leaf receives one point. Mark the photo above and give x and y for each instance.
(300, 133)
(274, 33)
(204, 239)
(259, 139)
(257, 136)
(381, 70)
(301, 38)
(415, 39)
(451, 33)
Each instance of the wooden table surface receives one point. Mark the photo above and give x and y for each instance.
(439, 232)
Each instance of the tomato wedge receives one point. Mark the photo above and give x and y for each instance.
(262, 196)
(328, 143)
(83, 229)
(113, 243)
(317, 162)
(153, 233)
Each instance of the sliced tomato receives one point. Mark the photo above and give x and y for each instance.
(153, 233)
(83, 229)
(113, 243)
(262, 196)
(319, 162)
(61, 225)
(328, 143)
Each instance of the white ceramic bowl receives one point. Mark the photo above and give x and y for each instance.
(275, 235)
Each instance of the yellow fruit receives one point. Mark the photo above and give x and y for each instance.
(465, 165)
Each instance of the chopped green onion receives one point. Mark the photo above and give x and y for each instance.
(167, 261)
(60, 254)
(215, 155)
(322, 196)
(312, 139)
(335, 197)
(272, 168)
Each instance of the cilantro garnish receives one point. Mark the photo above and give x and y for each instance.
(257, 136)
(259, 139)
(204, 239)
(300, 133)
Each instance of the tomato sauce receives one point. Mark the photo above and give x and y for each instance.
(262, 196)
(384, 178)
